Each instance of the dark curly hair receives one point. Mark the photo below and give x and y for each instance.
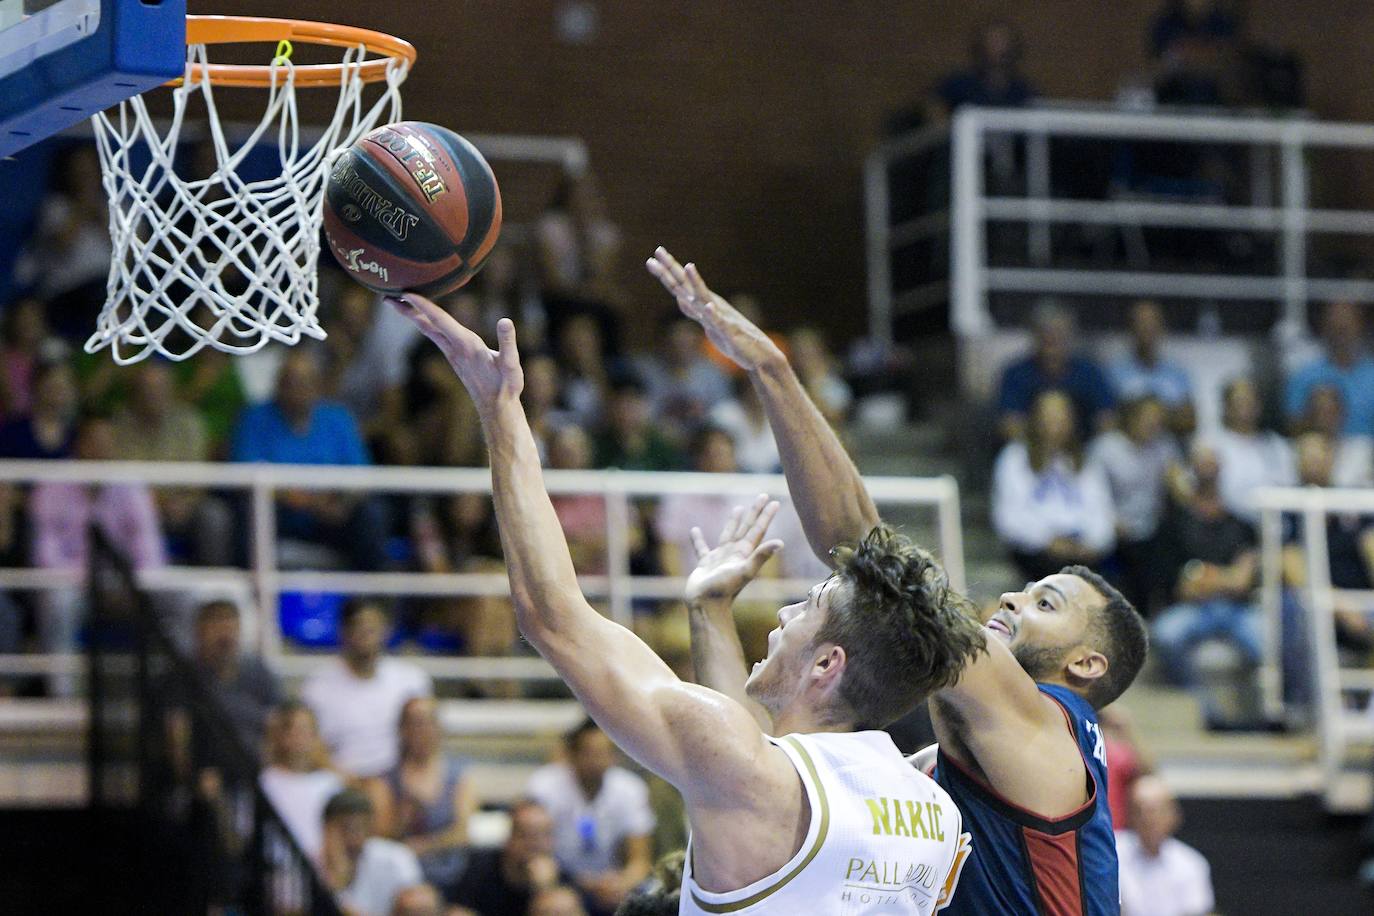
(1117, 631)
(904, 631)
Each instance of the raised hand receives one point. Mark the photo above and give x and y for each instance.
(490, 376)
(723, 571)
(733, 334)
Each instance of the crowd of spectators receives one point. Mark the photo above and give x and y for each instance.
(1106, 464)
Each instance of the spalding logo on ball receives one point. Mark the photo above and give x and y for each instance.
(412, 206)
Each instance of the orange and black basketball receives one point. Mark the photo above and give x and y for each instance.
(412, 206)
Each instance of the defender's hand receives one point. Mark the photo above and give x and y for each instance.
(490, 376)
(724, 571)
(733, 334)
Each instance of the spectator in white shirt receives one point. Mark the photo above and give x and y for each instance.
(1352, 454)
(1049, 507)
(366, 872)
(358, 697)
(1250, 457)
(296, 780)
(743, 417)
(1137, 460)
(602, 818)
(1160, 875)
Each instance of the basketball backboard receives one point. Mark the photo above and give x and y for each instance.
(62, 61)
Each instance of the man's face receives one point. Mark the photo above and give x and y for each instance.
(531, 834)
(365, 634)
(1343, 323)
(352, 831)
(682, 346)
(298, 386)
(1315, 460)
(1154, 812)
(152, 393)
(629, 411)
(781, 674)
(217, 638)
(1147, 324)
(1243, 406)
(56, 392)
(1046, 623)
(1053, 341)
(296, 735)
(592, 756)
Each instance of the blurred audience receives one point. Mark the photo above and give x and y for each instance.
(588, 369)
(1143, 371)
(440, 427)
(601, 816)
(211, 385)
(358, 697)
(299, 427)
(505, 880)
(1214, 570)
(25, 340)
(582, 515)
(681, 382)
(1352, 454)
(993, 77)
(157, 426)
(1250, 457)
(1345, 363)
(576, 242)
(559, 900)
(743, 417)
(365, 871)
(296, 779)
(1052, 365)
(628, 439)
(1137, 460)
(713, 452)
(49, 428)
(1050, 507)
(419, 900)
(61, 516)
(542, 399)
(366, 361)
(431, 796)
(1159, 874)
(818, 371)
(661, 895)
(1127, 760)
(457, 534)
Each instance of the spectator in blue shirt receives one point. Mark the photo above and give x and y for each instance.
(1053, 366)
(1346, 365)
(1144, 372)
(298, 427)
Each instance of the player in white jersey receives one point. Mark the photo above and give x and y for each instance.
(865, 646)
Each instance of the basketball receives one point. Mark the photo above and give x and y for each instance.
(412, 206)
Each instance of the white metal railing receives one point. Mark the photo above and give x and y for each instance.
(261, 482)
(1337, 726)
(1287, 141)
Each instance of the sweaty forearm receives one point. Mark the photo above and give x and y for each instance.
(824, 484)
(718, 656)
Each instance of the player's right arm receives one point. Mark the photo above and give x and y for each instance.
(705, 744)
(826, 488)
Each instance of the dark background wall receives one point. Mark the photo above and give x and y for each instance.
(734, 131)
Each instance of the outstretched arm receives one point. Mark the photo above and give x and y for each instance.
(705, 744)
(721, 573)
(824, 483)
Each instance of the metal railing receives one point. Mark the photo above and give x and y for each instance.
(261, 483)
(969, 208)
(1338, 727)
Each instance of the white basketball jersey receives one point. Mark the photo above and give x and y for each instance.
(883, 838)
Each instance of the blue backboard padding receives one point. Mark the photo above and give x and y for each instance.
(136, 48)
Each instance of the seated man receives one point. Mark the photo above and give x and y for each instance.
(1053, 364)
(366, 872)
(1144, 372)
(1160, 875)
(602, 822)
(504, 880)
(299, 427)
(1345, 363)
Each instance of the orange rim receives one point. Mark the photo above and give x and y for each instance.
(220, 30)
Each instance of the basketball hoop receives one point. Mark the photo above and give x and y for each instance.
(220, 260)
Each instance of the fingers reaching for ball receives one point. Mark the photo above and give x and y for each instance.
(489, 375)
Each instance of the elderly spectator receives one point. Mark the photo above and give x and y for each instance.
(743, 417)
(24, 339)
(296, 780)
(1352, 455)
(1214, 568)
(358, 697)
(48, 429)
(1250, 457)
(1160, 875)
(629, 440)
(1144, 372)
(559, 900)
(62, 514)
(299, 427)
(1053, 365)
(157, 426)
(431, 796)
(1049, 507)
(1137, 460)
(994, 77)
(816, 370)
(682, 383)
(1346, 363)
(504, 880)
(601, 815)
(366, 872)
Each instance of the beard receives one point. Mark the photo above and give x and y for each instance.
(1040, 662)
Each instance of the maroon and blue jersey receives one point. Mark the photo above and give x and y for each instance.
(1028, 865)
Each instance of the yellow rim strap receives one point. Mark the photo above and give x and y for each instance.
(283, 55)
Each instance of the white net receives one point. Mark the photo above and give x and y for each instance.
(202, 255)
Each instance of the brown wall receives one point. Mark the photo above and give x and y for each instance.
(734, 132)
